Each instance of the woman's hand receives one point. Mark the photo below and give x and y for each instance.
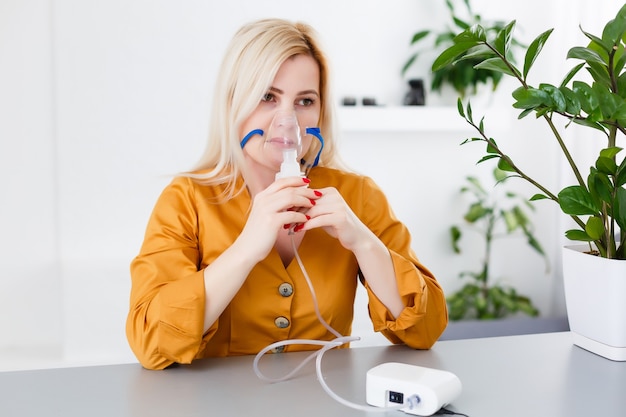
(333, 214)
(280, 205)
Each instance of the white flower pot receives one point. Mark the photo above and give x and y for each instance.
(595, 296)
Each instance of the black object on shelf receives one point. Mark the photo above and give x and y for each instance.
(415, 96)
(369, 101)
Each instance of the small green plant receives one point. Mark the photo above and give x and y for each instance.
(596, 204)
(481, 298)
(462, 75)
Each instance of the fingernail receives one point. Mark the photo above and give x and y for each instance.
(286, 226)
(306, 180)
(318, 193)
(312, 201)
(298, 227)
(308, 217)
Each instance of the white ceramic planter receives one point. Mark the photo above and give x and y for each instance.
(595, 296)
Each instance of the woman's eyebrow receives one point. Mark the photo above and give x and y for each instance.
(279, 91)
(308, 92)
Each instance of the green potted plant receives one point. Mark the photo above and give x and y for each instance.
(493, 216)
(595, 203)
(462, 76)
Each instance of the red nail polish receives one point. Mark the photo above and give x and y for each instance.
(318, 193)
(286, 226)
(308, 217)
(298, 227)
(312, 201)
(306, 180)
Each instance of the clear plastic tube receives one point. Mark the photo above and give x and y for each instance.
(318, 354)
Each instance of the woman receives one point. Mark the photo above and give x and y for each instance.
(216, 274)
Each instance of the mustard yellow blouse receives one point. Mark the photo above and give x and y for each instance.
(188, 230)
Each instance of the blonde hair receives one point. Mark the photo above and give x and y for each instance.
(252, 60)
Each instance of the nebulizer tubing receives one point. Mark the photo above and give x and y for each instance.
(327, 345)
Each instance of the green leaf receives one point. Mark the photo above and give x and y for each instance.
(459, 106)
(621, 174)
(477, 185)
(500, 175)
(504, 165)
(451, 54)
(530, 98)
(476, 212)
(487, 158)
(619, 66)
(504, 38)
(492, 147)
(534, 49)
(524, 113)
(571, 74)
(586, 54)
(594, 228)
(609, 102)
(558, 100)
(600, 187)
(534, 243)
(597, 41)
(613, 31)
(495, 64)
(586, 96)
(590, 123)
(408, 63)
(419, 36)
(619, 211)
(539, 197)
(572, 104)
(577, 201)
(606, 165)
(460, 23)
(455, 236)
(610, 152)
(479, 52)
(620, 114)
(600, 74)
(475, 34)
(579, 235)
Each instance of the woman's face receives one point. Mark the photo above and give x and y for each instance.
(294, 89)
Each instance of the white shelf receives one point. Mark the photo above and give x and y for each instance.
(398, 119)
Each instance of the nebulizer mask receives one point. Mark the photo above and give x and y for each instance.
(282, 143)
(284, 137)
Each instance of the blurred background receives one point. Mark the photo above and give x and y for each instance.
(101, 102)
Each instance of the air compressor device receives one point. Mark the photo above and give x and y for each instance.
(424, 390)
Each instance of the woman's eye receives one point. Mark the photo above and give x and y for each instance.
(306, 101)
(268, 97)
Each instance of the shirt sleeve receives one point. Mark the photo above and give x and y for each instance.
(425, 316)
(165, 323)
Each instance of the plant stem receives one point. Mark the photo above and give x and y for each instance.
(566, 152)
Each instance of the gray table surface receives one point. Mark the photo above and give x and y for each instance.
(528, 375)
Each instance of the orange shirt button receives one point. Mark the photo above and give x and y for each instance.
(285, 289)
(278, 349)
(281, 322)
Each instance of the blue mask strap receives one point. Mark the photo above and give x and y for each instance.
(249, 135)
(315, 131)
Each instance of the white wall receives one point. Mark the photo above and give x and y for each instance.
(101, 101)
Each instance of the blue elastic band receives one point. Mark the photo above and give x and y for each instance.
(249, 135)
(315, 131)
